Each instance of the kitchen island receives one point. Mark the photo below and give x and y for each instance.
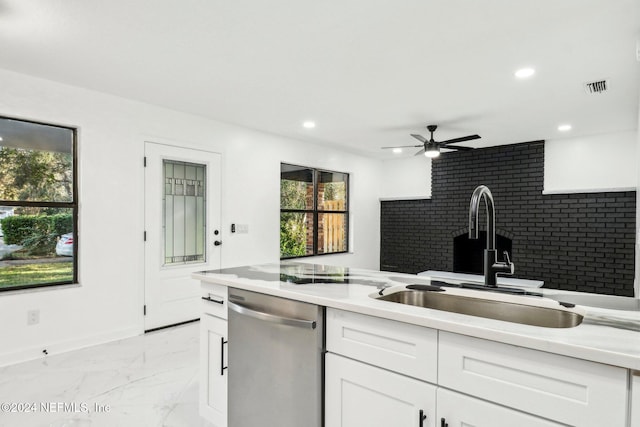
(582, 375)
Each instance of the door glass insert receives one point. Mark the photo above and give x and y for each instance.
(183, 221)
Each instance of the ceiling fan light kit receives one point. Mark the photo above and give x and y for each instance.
(431, 147)
(432, 151)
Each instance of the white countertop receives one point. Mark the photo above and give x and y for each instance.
(607, 335)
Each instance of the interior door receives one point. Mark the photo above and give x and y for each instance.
(182, 230)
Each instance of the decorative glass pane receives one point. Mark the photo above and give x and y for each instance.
(332, 232)
(296, 234)
(184, 212)
(332, 191)
(296, 187)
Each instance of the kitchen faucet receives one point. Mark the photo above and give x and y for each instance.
(491, 264)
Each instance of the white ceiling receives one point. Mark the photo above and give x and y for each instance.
(369, 72)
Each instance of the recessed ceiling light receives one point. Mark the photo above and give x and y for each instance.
(397, 150)
(309, 124)
(564, 128)
(523, 73)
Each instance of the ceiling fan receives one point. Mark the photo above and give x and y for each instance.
(431, 148)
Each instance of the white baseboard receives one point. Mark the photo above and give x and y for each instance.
(33, 353)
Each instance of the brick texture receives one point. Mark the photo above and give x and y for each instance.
(578, 242)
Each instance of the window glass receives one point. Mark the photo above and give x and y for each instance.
(38, 205)
(296, 234)
(296, 187)
(332, 233)
(332, 191)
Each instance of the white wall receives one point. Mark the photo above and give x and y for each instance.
(108, 303)
(406, 178)
(606, 162)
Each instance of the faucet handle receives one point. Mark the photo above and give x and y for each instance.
(508, 262)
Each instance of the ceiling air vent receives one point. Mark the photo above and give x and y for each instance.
(598, 86)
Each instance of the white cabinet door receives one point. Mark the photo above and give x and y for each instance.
(457, 410)
(213, 375)
(361, 395)
(635, 399)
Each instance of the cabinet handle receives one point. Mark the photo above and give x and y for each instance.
(213, 300)
(422, 417)
(222, 367)
(443, 423)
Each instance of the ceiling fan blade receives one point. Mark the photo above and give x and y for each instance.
(419, 152)
(455, 147)
(403, 146)
(461, 139)
(419, 137)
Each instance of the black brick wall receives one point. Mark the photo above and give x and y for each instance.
(579, 242)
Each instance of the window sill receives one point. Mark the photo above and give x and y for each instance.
(39, 289)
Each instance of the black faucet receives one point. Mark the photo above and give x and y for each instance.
(491, 264)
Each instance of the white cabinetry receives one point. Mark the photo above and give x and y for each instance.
(358, 394)
(564, 389)
(361, 395)
(458, 410)
(408, 349)
(378, 373)
(213, 361)
(635, 399)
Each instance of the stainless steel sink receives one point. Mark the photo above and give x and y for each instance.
(499, 310)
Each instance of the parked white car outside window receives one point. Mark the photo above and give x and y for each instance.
(64, 247)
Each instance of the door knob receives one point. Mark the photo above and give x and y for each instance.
(217, 243)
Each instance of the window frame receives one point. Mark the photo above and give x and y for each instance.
(315, 211)
(73, 205)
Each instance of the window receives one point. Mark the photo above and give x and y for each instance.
(314, 211)
(38, 205)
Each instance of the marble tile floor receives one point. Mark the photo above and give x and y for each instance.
(149, 380)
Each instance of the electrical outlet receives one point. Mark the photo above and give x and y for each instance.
(33, 317)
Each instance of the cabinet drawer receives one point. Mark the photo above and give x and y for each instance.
(214, 300)
(564, 389)
(400, 347)
(458, 410)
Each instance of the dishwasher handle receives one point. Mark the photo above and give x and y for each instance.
(299, 323)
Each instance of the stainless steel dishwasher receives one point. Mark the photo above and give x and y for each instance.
(275, 361)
